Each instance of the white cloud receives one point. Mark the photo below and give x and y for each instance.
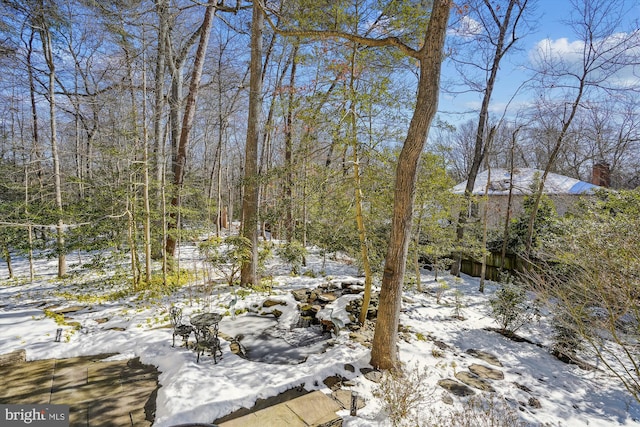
(605, 58)
(467, 28)
(560, 49)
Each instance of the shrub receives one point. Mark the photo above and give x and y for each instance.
(293, 253)
(407, 402)
(510, 308)
(479, 411)
(567, 339)
(441, 288)
(401, 393)
(265, 253)
(590, 273)
(227, 256)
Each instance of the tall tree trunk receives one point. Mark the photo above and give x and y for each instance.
(357, 187)
(483, 248)
(288, 150)
(175, 105)
(146, 180)
(384, 353)
(483, 268)
(133, 177)
(159, 127)
(267, 132)
(217, 166)
(158, 89)
(47, 48)
(36, 145)
(187, 121)
(249, 272)
(362, 231)
(6, 254)
(481, 142)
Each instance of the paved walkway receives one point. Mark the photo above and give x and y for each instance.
(313, 409)
(99, 393)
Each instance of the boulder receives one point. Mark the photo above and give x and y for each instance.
(333, 382)
(474, 381)
(327, 298)
(272, 302)
(301, 294)
(522, 387)
(374, 376)
(447, 399)
(71, 309)
(455, 388)
(483, 355)
(486, 372)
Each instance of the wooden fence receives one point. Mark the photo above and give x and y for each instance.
(494, 263)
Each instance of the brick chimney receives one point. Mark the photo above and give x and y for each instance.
(601, 175)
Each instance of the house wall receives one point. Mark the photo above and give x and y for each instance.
(497, 207)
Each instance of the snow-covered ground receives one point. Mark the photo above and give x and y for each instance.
(193, 392)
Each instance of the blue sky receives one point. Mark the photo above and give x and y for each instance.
(548, 24)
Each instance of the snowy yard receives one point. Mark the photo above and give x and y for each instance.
(437, 333)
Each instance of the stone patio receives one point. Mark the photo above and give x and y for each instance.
(313, 409)
(121, 393)
(99, 393)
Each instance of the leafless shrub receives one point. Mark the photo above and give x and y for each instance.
(401, 393)
(479, 411)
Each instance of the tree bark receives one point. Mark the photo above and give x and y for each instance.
(384, 353)
(159, 104)
(187, 119)
(146, 180)
(249, 272)
(47, 48)
(288, 150)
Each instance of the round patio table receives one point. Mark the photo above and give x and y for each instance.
(204, 320)
(206, 331)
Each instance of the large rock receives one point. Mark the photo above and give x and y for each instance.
(72, 309)
(534, 403)
(301, 294)
(486, 372)
(474, 381)
(374, 376)
(456, 388)
(327, 298)
(272, 302)
(487, 357)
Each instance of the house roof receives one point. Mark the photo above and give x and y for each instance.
(522, 180)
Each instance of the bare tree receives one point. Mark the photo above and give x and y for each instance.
(568, 79)
(42, 18)
(180, 155)
(493, 28)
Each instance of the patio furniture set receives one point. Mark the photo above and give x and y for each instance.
(205, 328)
